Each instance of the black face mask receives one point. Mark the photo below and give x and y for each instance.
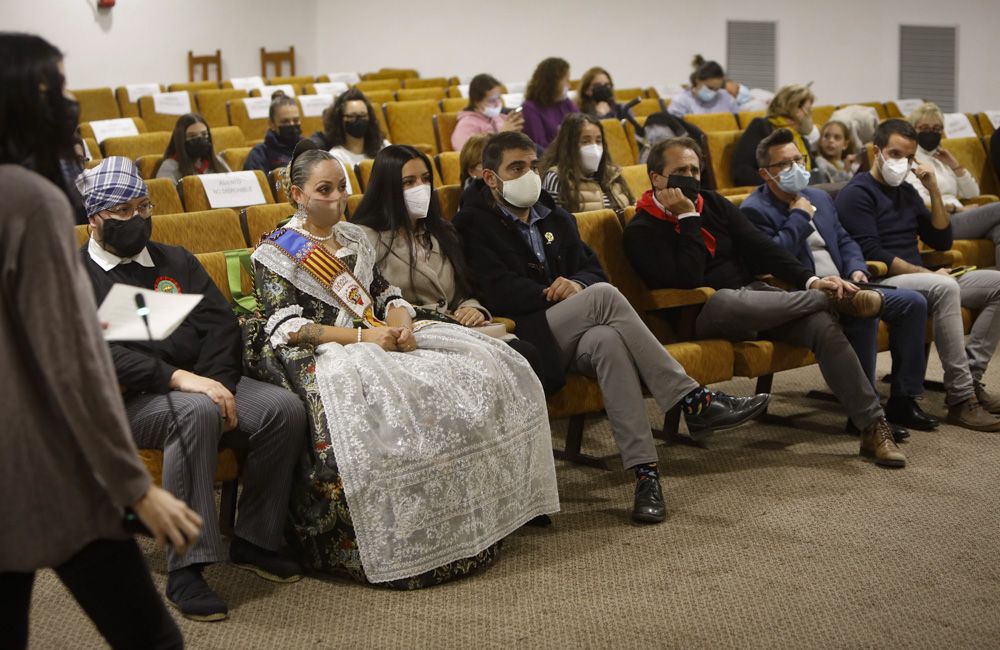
(602, 93)
(356, 128)
(290, 134)
(688, 185)
(127, 237)
(200, 147)
(928, 140)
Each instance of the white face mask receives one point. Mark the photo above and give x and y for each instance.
(590, 157)
(522, 192)
(491, 111)
(894, 170)
(418, 200)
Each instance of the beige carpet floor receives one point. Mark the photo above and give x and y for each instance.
(778, 536)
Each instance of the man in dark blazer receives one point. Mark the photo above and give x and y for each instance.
(529, 264)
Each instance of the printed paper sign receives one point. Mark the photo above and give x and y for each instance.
(994, 118)
(512, 100)
(135, 91)
(516, 87)
(116, 128)
(232, 190)
(463, 90)
(247, 83)
(257, 107)
(957, 125)
(346, 77)
(332, 88)
(175, 103)
(314, 105)
(907, 106)
(165, 312)
(267, 91)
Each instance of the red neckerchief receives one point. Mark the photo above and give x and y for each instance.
(647, 203)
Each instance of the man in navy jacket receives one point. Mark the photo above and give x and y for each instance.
(530, 264)
(804, 221)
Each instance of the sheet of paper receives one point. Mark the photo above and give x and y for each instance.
(332, 88)
(176, 103)
(257, 107)
(463, 90)
(267, 91)
(957, 125)
(346, 77)
(247, 83)
(232, 190)
(166, 312)
(135, 91)
(116, 128)
(314, 105)
(517, 86)
(907, 106)
(512, 100)
(994, 118)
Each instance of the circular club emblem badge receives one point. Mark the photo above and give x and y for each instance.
(167, 285)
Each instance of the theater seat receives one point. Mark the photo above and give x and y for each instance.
(195, 199)
(200, 232)
(718, 147)
(410, 122)
(637, 179)
(235, 157)
(133, 146)
(711, 122)
(211, 105)
(93, 149)
(821, 114)
(616, 139)
(427, 82)
(163, 193)
(444, 127)
(148, 165)
(253, 128)
(259, 220)
(391, 85)
(193, 86)
(745, 117)
(453, 104)
(227, 137)
(87, 131)
(353, 202)
(647, 107)
(448, 197)
(97, 104)
(449, 166)
(625, 95)
(159, 121)
(416, 94)
(129, 108)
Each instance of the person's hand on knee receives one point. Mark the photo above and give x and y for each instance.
(188, 382)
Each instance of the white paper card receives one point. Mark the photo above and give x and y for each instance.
(257, 107)
(166, 312)
(907, 106)
(512, 100)
(267, 91)
(332, 88)
(994, 118)
(957, 125)
(116, 128)
(232, 190)
(463, 90)
(175, 103)
(247, 83)
(516, 87)
(346, 77)
(571, 95)
(135, 91)
(314, 105)
(86, 151)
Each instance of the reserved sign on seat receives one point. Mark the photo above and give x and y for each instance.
(332, 88)
(257, 107)
(175, 103)
(232, 190)
(116, 128)
(314, 105)
(135, 91)
(247, 83)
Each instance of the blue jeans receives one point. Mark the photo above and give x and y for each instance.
(905, 313)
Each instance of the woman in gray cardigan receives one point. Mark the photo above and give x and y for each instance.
(190, 151)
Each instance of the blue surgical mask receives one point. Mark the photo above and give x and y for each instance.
(706, 94)
(743, 96)
(793, 180)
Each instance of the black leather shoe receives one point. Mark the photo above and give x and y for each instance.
(899, 433)
(189, 593)
(726, 412)
(905, 412)
(649, 507)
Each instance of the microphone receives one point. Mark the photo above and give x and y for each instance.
(131, 521)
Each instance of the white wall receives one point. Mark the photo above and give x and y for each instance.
(849, 50)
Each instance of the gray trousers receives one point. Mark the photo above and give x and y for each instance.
(800, 318)
(980, 222)
(600, 335)
(274, 422)
(964, 362)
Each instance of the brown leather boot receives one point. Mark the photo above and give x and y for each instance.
(970, 414)
(877, 444)
(866, 303)
(987, 400)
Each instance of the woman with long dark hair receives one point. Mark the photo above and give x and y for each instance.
(69, 467)
(351, 130)
(190, 151)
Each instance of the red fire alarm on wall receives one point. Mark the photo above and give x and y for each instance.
(105, 4)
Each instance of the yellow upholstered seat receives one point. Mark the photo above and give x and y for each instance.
(253, 128)
(378, 84)
(97, 104)
(985, 125)
(158, 121)
(148, 165)
(93, 148)
(133, 146)
(444, 126)
(448, 197)
(971, 152)
(87, 131)
(637, 179)
(129, 108)
(624, 95)
(745, 117)
(427, 82)
(195, 199)
(879, 107)
(260, 220)
(411, 122)
(200, 232)
(211, 104)
(227, 137)
(647, 107)
(711, 122)
(214, 264)
(193, 86)
(616, 140)
(719, 147)
(163, 194)
(453, 104)
(820, 115)
(235, 157)
(758, 358)
(296, 81)
(415, 94)
(449, 166)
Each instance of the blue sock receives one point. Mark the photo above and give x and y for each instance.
(646, 470)
(696, 401)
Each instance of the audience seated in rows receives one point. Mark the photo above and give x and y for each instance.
(484, 113)
(284, 130)
(791, 108)
(706, 94)
(390, 430)
(351, 130)
(954, 181)
(886, 215)
(578, 172)
(804, 221)
(530, 264)
(196, 376)
(685, 237)
(190, 151)
(837, 153)
(597, 96)
(546, 101)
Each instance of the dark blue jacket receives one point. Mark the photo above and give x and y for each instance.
(791, 228)
(269, 154)
(886, 221)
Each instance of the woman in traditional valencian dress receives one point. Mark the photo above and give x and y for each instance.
(430, 441)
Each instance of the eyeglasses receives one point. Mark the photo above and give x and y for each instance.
(127, 211)
(787, 164)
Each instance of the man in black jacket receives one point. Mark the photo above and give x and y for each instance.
(684, 237)
(529, 264)
(200, 367)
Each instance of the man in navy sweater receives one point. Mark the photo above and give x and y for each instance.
(804, 222)
(886, 216)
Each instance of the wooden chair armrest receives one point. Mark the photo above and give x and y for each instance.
(877, 269)
(982, 199)
(671, 298)
(938, 259)
(510, 324)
